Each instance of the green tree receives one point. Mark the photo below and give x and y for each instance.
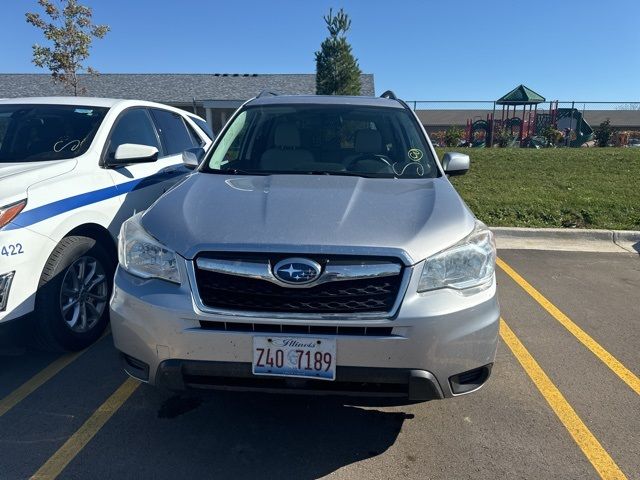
(70, 31)
(603, 133)
(337, 70)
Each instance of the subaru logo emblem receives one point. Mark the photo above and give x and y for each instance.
(297, 271)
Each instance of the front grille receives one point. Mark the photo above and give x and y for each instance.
(293, 329)
(301, 386)
(359, 381)
(239, 293)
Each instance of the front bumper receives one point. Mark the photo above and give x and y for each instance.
(434, 338)
(411, 385)
(23, 253)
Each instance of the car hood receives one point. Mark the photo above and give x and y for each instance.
(16, 178)
(412, 219)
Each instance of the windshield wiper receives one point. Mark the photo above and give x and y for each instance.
(236, 171)
(341, 174)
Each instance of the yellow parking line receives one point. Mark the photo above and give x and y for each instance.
(626, 375)
(40, 378)
(57, 463)
(590, 446)
(35, 382)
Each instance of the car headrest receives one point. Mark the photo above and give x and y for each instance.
(368, 141)
(286, 135)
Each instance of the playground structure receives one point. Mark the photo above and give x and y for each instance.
(527, 128)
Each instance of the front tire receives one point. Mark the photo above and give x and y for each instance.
(72, 303)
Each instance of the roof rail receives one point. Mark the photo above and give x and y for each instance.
(392, 96)
(389, 94)
(267, 93)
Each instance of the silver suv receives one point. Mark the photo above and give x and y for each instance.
(319, 248)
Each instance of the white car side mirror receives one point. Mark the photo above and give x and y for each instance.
(134, 153)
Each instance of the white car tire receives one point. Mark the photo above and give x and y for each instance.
(72, 303)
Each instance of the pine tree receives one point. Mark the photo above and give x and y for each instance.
(337, 70)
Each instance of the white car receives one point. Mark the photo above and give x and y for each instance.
(71, 171)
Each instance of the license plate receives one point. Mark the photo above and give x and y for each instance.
(302, 357)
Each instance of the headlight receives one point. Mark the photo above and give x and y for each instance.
(9, 212)
(470, 263)
(142, 255)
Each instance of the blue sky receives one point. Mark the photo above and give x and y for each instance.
(455, 49)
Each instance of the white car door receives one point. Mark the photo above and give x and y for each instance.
(141, 183)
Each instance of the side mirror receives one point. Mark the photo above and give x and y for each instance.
(192, 157)
(129, 153)
(455, 163)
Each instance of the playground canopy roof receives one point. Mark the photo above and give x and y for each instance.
(521, 95)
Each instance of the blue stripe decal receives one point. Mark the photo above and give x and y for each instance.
(38, 214)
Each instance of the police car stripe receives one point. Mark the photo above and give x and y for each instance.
(38, 214)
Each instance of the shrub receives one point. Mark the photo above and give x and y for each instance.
(453, 136)
(438, 137)
(553, 136)
(603, 133)
(503, 137)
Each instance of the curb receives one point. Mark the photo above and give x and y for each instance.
(574, 239)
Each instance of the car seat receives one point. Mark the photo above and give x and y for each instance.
(367, 141)
(286, 154)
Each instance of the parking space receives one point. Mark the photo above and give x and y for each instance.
(70, 422)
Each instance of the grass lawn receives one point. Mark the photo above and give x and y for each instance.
(564, 187)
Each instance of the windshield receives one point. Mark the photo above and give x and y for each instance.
(324, 139)
(31, 133)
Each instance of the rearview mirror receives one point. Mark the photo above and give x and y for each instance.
(129, 153)
(192, 157)
(455, 163)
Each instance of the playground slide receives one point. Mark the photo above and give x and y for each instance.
(572, 118)
(483, 127)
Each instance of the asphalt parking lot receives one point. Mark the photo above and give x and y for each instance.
(563, 402)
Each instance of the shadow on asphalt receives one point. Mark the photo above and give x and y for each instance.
(158, 434)
(14, 336)
(18, 362)
(236, 435)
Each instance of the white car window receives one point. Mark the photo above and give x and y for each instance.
(134, 126)
(32, 133)
(173, 132)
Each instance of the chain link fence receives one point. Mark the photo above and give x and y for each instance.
(560, 123)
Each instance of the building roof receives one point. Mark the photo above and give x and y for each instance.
(327, 100)
(521, 95)
(168, 87)
(444, 118)
(618, 118)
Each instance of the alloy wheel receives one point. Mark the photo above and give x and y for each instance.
(84, 294)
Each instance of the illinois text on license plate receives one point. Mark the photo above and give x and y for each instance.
(305, 357)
